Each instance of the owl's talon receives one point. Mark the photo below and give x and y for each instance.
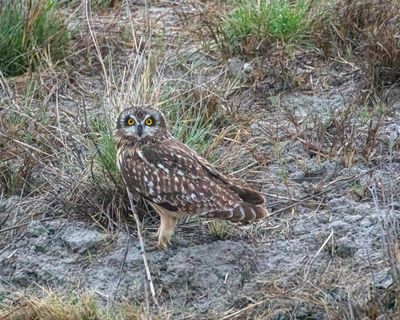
(162, 246)
(162, 243)
(158, 247)
(153, 248)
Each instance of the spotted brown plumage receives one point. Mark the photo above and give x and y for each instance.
(173, 178)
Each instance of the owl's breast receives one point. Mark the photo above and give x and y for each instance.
(124, 153)
(140, 176)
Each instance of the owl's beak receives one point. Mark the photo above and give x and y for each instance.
(140, 130)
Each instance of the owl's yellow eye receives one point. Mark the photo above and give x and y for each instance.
(149, 122)
(130, 122)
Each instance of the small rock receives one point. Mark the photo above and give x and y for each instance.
(247, 67)
(338, 202)
(297, 175)
(345, 247)
(7, 203)
(365, 223)
(36, 229)
(339, 226)
(383, 279)
(235, 66)
(81, 240)
(353, 218)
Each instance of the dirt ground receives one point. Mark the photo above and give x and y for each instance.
(326, 251)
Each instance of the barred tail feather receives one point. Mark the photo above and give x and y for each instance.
(243, 213)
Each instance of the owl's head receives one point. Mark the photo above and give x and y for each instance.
(141, 124)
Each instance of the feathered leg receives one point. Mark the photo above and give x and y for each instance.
(166, 230)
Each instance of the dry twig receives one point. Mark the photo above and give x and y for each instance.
(146, 265)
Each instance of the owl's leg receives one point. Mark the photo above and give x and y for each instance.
(166, 230)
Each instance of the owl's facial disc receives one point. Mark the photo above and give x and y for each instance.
(140, 127)
(142, 124)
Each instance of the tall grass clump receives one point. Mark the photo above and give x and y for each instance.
(94, 4)
(104, 173)
(367, 33)
(253, 25)
(32, 33)
(71, 307)
(105, 146)
(191, 121)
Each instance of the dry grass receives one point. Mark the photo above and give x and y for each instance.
(365, 33)
(72, 307)
(219, 230)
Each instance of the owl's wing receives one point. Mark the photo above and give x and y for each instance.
(245, 193)
(175, 178)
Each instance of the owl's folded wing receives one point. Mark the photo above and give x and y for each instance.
(175, 178)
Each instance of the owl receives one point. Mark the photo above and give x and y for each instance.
(173, 178)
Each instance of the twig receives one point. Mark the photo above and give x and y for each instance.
(244, 309)
(308, 267)
(123, 262)
(146, 265)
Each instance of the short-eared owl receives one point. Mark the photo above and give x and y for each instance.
(173, 179)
